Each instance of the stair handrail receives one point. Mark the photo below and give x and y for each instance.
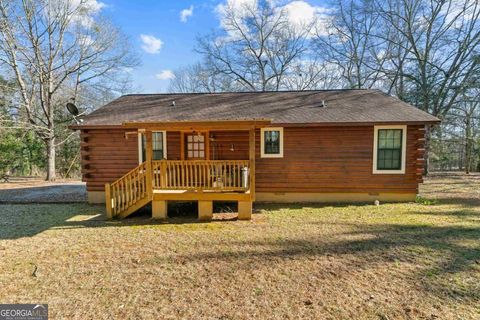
(127, 190)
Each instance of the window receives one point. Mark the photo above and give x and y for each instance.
(195, 146)
(389, 149)
(159, 146)
(271, 141)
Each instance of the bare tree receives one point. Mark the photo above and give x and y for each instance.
(53, 48)
(200, 78)
(313, 74)
(441, 41)
(257, 47)
(352, 44)
(464, 117)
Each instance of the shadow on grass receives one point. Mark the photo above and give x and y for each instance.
(437, 250)
(463, 201)
(378, 238)
(27, 220)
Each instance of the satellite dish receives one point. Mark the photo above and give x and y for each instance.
(72, 109)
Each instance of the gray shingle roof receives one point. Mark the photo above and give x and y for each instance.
(296, 107)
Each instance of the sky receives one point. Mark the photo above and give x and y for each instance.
(163, 33)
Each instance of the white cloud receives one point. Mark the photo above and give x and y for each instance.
(165, 75)
(459, 11)
(151, 44)
(83, 10)
(92, 6)
(186, 13)
(238, 7)
(301, 14)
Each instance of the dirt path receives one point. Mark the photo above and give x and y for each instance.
(38, 191)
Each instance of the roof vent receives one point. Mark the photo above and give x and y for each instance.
(173, 103)
(323, 105)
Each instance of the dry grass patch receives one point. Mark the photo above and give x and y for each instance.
(395, 261)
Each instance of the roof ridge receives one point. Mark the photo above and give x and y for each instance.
(255, 92)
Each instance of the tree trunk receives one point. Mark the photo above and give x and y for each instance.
(51, 159)
(468, 145)
(478, 162)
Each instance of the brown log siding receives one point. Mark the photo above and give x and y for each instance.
(106, 156)
(316, 159)
(222, 144)
(334, 159)
(173, 145)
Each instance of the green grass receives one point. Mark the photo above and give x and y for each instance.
(393, 261)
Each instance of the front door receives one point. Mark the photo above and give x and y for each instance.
(195, 146)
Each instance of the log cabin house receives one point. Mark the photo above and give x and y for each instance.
(292, 146)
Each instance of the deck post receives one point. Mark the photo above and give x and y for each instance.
(244, 210)
(252, 162)
(159, 209)
(108, 201)
(148, 159)
(205, 210)
(245, 207)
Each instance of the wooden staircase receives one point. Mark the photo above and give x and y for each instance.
(129, 193)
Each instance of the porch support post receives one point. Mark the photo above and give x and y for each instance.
(148, 159)
(245, 207)
(108, 201)
(159, 209)
(205, 210)
(182, 145)
(252, 162)
(244, 210)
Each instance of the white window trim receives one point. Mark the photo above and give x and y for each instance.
(404, 149)
(164, 136)
(262, 143)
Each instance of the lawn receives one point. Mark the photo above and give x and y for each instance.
(393, 261)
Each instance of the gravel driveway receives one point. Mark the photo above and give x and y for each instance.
(43, 192)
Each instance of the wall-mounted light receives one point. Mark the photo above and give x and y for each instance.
(232, 147)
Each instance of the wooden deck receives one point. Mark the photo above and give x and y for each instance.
(205, 181)
(159, 181)
(164, 180)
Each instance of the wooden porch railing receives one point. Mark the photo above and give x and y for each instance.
(127, 191)
(200, 175)
(134, 189)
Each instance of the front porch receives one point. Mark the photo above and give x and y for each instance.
(195, 177)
